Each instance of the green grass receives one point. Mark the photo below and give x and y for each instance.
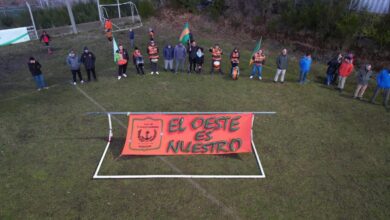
(325, 155)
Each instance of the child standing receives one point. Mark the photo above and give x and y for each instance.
(45, 38)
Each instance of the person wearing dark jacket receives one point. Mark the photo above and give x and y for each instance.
(151, 34)
(363, 78)
(35, 69)
(333, 67)
(131, 37)
(88, 59)
(138, 61)
(168, 57)
(199, 60)
(281, 63)
(192, 56)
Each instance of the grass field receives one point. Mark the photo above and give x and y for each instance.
(325, 155)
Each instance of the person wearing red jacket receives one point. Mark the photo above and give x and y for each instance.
(153, 57)
(45, 38)
(345, 71)
(108, 29)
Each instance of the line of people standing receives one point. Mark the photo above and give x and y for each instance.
(339, 68)
(74, 63)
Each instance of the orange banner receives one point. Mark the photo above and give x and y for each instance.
(166, 134)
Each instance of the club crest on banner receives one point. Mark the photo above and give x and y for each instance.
(146, 134)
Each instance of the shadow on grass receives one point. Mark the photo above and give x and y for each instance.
(364, 100)
(230, 156)
(330, 87)
(116, 147)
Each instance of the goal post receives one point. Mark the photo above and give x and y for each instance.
(32, 30)
(122, 15)
(180, 174)
(23, 32)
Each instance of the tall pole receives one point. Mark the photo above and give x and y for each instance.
(119, 8)
(32, 18)
(100, 12)
(70, 12)
(132, 12)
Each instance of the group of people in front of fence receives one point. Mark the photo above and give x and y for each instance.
(339, 68)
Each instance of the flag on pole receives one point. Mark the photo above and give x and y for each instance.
(257, 48)
(185, 34)
(114, 47)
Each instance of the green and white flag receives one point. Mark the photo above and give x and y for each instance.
(257, 48)
(185, 34)
(115, 48)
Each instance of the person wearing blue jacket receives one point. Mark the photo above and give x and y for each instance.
(168, 57)
(180, 53)
(73, 62)
(304, 64)
(383, 85)
(131, 37)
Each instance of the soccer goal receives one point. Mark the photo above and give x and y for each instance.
(122, 15)
(155, 134)
(26, 32)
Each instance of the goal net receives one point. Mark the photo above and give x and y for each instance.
(17, 25)
(122, 15)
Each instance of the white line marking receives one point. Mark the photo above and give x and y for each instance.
(182, 176)
(196, 185)
(153, 176)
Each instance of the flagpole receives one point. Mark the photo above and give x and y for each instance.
(257, 48)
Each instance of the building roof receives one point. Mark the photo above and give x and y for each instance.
(373, 6)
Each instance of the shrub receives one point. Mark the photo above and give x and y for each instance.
(380, 32)
(217, 8)
(7, 21)
(145, 8)
(85, 12)
(190, 5)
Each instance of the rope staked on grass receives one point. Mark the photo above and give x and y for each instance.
(196, 185)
